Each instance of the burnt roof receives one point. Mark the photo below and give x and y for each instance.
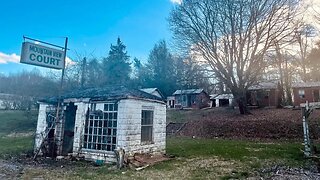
(104, 94)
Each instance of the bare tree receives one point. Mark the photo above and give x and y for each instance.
(233, 36)
(303, 37)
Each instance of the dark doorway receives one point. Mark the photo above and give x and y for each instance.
(70, 118)
(316, 95)
(189, 101)
(213, 102)
(223, 102)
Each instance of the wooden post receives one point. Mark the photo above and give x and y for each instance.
(59, 129)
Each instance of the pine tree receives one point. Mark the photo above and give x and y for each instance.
(161, 65)
(116, 66)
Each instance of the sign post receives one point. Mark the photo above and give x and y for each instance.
(59, 120)
(39, 55)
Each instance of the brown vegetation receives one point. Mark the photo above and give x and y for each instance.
(262, 123)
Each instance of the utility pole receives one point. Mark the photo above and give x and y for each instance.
(83, 69)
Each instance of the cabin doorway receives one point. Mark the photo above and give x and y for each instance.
(68, 135)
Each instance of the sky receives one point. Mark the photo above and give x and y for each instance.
(91, 27)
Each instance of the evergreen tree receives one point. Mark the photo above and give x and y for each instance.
(161, 69)
(116, 66)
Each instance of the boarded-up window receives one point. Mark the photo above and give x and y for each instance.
(101, 128)
(147, 126)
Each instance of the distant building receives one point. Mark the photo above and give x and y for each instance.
(306, 91)
(263, 94)
(94, 122)
(153, 91)
(190, 98)
(221, 100)
(171, 102)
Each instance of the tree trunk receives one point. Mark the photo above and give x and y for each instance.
(242, 103)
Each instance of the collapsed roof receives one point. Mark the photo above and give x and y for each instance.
(104, 94)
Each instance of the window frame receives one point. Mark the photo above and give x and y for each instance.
(100, 128)
(150, 127)
(302, 95)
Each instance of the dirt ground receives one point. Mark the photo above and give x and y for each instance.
(193, 168)
(261, 124)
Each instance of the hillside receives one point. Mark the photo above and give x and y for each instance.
(261, 124)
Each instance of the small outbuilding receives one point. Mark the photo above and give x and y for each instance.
(263, 94)
(221, 100)
(170, 102)
(306, 91)
(191, 98)
(95, 122)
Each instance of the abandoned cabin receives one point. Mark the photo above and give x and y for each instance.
(263, 94)
(306, 91)
(94, 122)
(189, 98)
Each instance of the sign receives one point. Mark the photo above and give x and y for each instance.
(42, 56)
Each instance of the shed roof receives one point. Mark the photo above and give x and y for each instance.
(152, 91)
(264, 85)
(104, 94)
(188, 91)
(221, 96)
(306, 84)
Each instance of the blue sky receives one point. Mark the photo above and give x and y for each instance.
(91, 26)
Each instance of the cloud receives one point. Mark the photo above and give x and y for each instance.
(14, 58)
(6, 58)
(176, 1)
(69, 62)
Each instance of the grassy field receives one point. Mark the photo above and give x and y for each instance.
(16, 132)
(17, 121)
(194, 158)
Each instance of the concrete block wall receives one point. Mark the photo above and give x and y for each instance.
(128, 129)
(79, 126)
(129, 126)
(41, 125)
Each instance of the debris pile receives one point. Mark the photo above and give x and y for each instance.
(141, 161)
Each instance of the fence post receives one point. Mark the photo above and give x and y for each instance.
(306, 137)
